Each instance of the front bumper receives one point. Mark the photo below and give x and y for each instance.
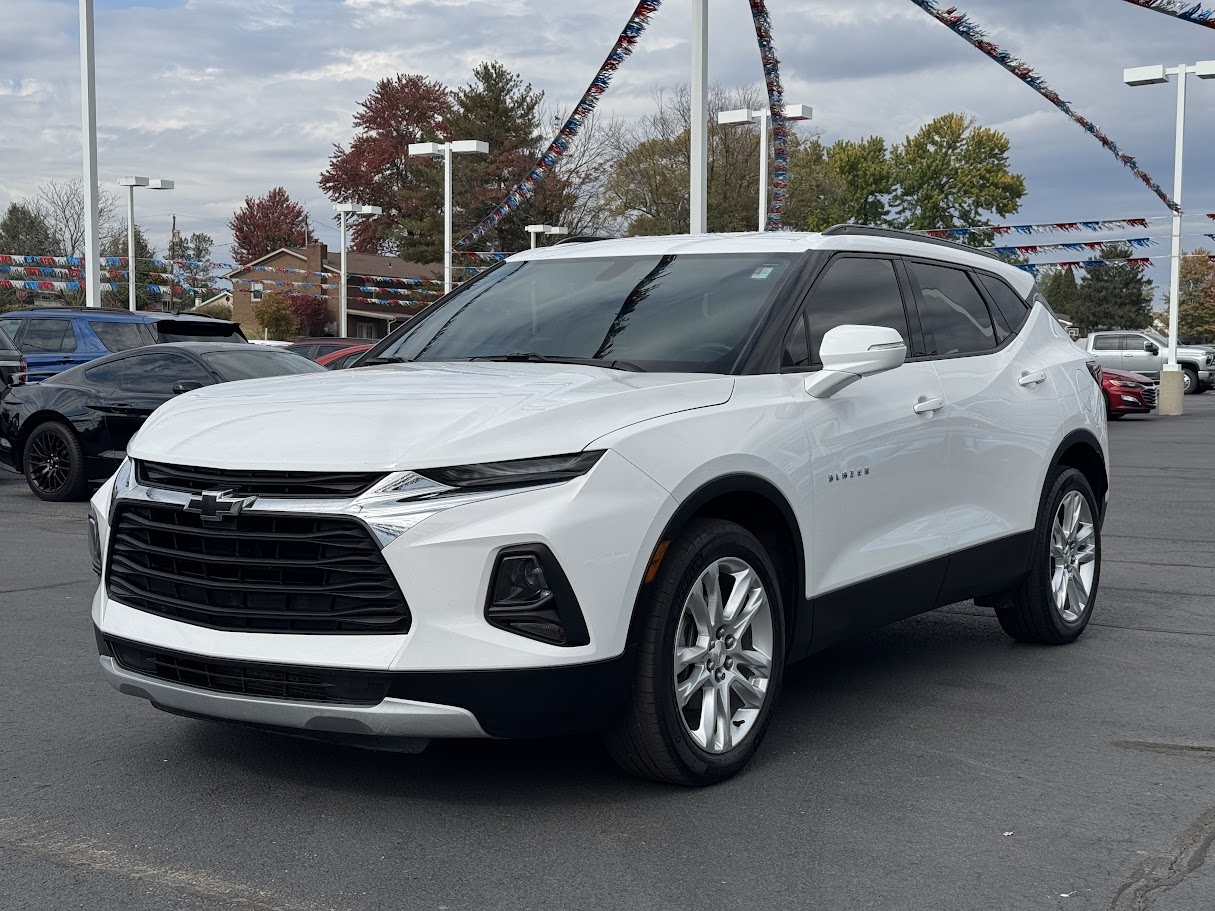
(534, 702)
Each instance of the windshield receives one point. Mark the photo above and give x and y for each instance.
(254, 363)
(688, 312)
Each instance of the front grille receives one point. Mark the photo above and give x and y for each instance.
(256, 483)
(1149, 394)
(255, 572)
(275, 681)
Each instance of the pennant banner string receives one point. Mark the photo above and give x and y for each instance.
(1079, 247)
(776, 105)
(523, 191)
(966, 29)
(1065, 227)
(1181, 9)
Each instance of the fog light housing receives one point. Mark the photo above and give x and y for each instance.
(530, 596)
(94, 543)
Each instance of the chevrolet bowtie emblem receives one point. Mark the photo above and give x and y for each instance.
(217, 505)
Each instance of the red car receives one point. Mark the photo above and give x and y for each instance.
(1127, 393)
(340, 359)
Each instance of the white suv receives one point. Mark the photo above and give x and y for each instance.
(614, 486)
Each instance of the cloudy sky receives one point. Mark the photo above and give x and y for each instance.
(232, 97)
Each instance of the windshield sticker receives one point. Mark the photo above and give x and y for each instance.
(763, 272)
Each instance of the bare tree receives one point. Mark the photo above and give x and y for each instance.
(583, 172)
(61, 203)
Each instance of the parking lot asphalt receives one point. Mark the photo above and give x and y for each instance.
(934, 764)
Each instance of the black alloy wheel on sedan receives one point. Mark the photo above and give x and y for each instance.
(72, 429)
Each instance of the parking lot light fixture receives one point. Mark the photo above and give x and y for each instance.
(536, 230)
(344, 209)
(763, 119)
(131, 183)
(445, 150)
(1171, 384)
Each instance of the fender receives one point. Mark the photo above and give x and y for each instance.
(793, 585)
(1092, 461)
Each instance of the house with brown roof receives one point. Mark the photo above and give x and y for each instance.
(376, 298)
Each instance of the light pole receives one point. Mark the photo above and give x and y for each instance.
(698, 197)
(536, 230)
(88, 131)
(344, 209)
(131, 183)
(445, 150)
(746, 115)
(1171, 387)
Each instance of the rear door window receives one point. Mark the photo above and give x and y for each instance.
(1107, 343)
(48, 336)
(10, 327)
(158, 372)
(1008, 303)
(855, 290)
(952, 312)
(122, 336)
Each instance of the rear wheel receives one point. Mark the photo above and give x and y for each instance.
(710, 659)
(54, 464)
(1056, 600)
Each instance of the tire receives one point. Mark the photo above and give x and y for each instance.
(655, 738)
(1189, 380)
(54, 464)
(1033, 613)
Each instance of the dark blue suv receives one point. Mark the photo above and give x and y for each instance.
(52, 339)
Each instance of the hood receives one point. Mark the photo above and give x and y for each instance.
(1127, 376)
(412, 415)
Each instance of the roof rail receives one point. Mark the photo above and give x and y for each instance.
(871, 231)
(580, 239)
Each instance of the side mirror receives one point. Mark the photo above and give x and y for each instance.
(1151, 348)
(186, 386)
(849, 353)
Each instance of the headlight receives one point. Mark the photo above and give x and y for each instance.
(1125, 385)
(515, 473)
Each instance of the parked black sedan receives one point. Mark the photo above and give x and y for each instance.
(72, 429)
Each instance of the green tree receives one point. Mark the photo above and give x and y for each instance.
(498, 107)
(199, 280)
(1061, 291)
(1114, 296)
(848, 182)
(275, 317)
(116, 245)
(953, 173)
(23, 232)
(1196, 307)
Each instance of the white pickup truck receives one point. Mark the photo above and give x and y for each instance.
(1143, 351)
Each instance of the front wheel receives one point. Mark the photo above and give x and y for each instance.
(54, 463)
(710, 659)
(1056, 600)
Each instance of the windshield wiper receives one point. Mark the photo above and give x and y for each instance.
(376, 361)
(533, 358)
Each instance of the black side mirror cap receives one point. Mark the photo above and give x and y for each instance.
(186, 386)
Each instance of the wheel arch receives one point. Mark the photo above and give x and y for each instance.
(1081, 450)
(757, 505)
(32, 423)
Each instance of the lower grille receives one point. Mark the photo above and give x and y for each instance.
(274, 681)
(255, 572)
(1149, 394)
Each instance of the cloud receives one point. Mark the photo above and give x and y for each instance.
(232, 97)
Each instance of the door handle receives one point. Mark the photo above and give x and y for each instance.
(1032, 379)
(928, 406)
(119, 408)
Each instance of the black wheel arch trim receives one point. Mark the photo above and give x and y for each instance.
(1087, 439)
(690, 507)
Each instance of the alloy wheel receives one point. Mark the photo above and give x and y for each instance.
(723, 655)
(1073, 555)
(50, 461)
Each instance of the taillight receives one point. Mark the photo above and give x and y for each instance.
(1095, 369)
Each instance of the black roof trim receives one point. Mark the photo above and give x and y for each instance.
(581, 239)
(871, 231)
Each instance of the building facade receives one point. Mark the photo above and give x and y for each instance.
(376, 298)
